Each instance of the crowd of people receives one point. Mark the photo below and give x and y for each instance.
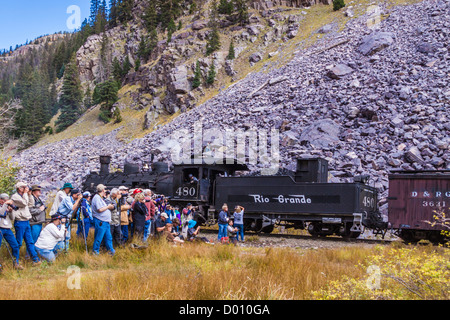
(116, 216)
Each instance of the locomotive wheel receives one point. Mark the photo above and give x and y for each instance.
(314, 229)
(268, 229)
(408, 236)
(347, 234)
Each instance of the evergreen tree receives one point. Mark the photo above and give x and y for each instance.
(226, 7)
(231, 51)
(95, 5)
(71, 97)
(124, 10)
(112, 13)
(197, 76)
(106, 95)
(338, 4)
(213, 41)
(211, 74)
(242, 11)
(171, 28)
(150, 16)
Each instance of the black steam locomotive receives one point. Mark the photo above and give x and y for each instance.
(300, 199)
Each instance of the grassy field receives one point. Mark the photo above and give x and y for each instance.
(200, 271)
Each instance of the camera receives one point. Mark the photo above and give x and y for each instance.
(14, 207)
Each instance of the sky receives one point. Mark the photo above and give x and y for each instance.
(22, 20)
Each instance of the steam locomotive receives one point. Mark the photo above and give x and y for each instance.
(300, 199)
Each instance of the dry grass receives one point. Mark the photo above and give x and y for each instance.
(193, 271)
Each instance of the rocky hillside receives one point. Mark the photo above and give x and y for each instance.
(369, 98)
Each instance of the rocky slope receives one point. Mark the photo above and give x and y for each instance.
(368, 98)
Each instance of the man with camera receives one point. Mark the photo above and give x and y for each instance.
(47, 244)
(116, 230)
(22, 218)
(102, 219)
(68, 207)
(150, 204)
(37, 210)
(6, 218)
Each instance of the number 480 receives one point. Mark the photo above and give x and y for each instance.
(185, 191)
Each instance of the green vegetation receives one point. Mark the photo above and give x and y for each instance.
(338, 4)
(71, 98)
(197, 82)
(8, 171)
(106, 95)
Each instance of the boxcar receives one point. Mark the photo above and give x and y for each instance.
(414, 199)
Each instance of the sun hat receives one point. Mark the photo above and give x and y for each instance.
(164, 215)
(67, 185)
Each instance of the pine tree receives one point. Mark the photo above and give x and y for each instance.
(124, 10)
(211, 74)
(242, 11)
(231, 51)
(113, 13)
(71, 97)
(197, 76)
(213, 41)
(95, 5)
(106, 95)
(171, 28)
(150, 16)
(226, 7)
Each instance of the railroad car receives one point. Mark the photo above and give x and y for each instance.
(415, 197)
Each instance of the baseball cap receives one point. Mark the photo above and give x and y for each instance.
(20, 185)
(164, 215)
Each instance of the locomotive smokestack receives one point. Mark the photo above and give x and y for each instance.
(104, 164)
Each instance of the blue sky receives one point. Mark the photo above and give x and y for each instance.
(22, 20)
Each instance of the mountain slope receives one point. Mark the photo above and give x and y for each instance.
(365, 111)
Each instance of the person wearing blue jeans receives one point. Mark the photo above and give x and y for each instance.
(68, 207)
(102, 218)
(49, 242)
(239, 221)
(37, 210)
(6, 216)
(223, 222)
(22, 218)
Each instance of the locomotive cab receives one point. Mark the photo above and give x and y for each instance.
(195, 182)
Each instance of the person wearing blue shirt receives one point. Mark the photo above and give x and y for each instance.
(239, 221)
(66, 209)
(84, 216)
(223, 223)
(102, 219)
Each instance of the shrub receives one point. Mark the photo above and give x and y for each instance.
(397, 273)
(338, 4)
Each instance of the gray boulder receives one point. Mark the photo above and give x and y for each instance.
(375, 42)
(322, 133)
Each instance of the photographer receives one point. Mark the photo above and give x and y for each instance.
(60, 195)
(22, 218)
(102, 219)
(116, 231)
(139, 214)
(239, 221)
(150, 217)
(68, 208)
(47, 243)
(84, 216)
(37, 210)
(6, 218)
(125, 207)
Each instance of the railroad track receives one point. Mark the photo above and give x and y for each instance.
(307, 237)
